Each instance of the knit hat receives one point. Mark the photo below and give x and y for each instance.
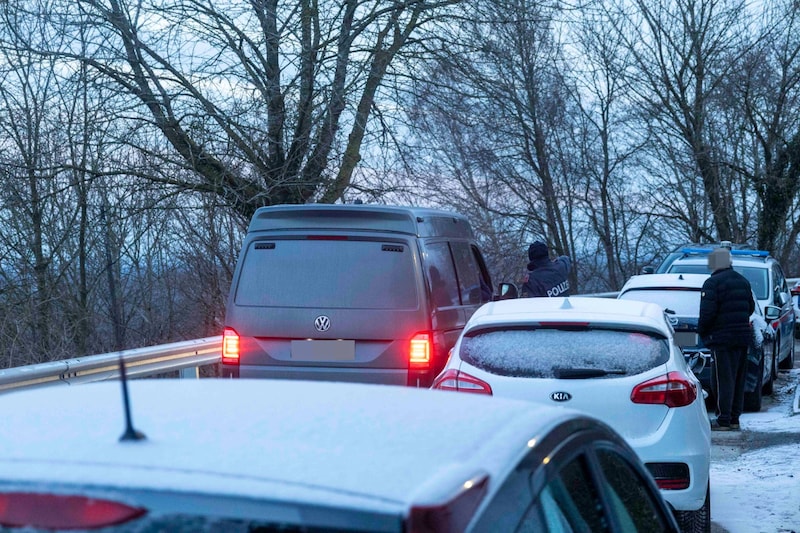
(718, 259)
(537, 250)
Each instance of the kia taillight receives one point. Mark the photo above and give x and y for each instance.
(230, 347)
(673, 390)
(57, 511)
(457, 380)
(419, 351)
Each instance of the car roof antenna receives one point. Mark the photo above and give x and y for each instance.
(130, 432)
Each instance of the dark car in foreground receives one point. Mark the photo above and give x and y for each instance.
(323, 457)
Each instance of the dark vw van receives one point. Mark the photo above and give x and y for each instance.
(366, 293)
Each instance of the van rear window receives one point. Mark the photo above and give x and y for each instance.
(351, 274)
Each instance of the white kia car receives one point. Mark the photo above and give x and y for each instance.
(613, 359)
(245, 455)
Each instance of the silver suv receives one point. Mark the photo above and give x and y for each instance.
(767, 280)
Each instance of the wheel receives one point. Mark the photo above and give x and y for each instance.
(787, 363)
(752, 400)
(698, 521)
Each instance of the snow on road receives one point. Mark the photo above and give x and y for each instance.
(755, 474)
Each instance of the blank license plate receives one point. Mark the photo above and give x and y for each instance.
(324, 350)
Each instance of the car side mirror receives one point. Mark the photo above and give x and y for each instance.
(507, 291)
(648, 270)
(772, 312)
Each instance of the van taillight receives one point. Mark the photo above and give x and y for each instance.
(419, 353)
(457, 380)
(230, 347)
(58, 511)
(673, 390)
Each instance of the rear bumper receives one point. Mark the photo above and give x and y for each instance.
(352, 375)
(685, 437)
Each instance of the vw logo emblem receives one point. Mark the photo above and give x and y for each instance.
(322, 323)
(561, 396)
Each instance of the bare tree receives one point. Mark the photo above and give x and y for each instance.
(684, 50)
(768, 91)
(266, 101)
(610, 142)
(494, 121)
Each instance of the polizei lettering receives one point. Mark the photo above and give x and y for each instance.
(558, 289)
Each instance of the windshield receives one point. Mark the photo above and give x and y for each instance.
(550, 352)
(758, 277)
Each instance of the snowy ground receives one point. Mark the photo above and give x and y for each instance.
(755, 473)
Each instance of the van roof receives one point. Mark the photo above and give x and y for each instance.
(418, 221)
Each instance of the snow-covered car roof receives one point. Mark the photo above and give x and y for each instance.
(373, 447)
(571, 309)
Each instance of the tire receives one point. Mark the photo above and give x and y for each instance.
(787, 363)
(698, 521)
(752, 400)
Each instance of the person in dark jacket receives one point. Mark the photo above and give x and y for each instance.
(726, 303)
(545, 277)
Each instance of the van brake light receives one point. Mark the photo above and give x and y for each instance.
(230, 347)
(419, 355)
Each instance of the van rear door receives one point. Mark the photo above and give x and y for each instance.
(332, 307)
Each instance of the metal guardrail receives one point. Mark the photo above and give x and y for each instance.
(184, 356)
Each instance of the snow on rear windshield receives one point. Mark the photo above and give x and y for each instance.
(541, 353)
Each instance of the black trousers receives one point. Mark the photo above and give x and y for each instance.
(727, 380)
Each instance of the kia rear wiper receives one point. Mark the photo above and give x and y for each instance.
(584, 373)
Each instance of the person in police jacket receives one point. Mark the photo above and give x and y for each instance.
(545, 277)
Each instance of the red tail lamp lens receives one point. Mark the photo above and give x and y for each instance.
(54, 511)
(230, 347)
(673, 390)
(456, 380)
(670, 476)
(419, 354)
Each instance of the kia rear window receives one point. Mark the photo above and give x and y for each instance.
(564, 354)
(327, 273)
